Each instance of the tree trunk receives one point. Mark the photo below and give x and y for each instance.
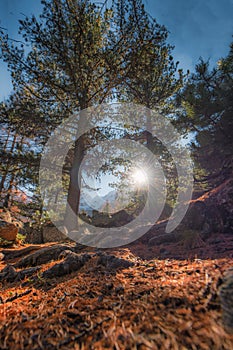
(9, 197)
(4, 176)
(74, 191)
(149, 136)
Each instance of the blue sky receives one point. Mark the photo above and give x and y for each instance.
(197, 28)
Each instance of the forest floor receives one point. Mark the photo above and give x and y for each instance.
(167, 299)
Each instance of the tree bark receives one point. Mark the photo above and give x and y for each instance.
(4, 176)
(74, 191)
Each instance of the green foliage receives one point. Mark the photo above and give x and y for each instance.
(82, 54)
(206, 112)
(67, 67)
(5, 243)
(22, 138)
(20, 238)
(149, 69)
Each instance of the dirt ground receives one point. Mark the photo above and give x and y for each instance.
(167, 299)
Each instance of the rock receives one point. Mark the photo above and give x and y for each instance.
(121, 218)
(45, 234)
(118, 219)
(164, 238)
(5, 215)
(35, 236)
(8, 231)
(226, 300)
(53, 234)
(11, 218)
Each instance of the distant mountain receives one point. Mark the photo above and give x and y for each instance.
(111, 196)
(89, 203)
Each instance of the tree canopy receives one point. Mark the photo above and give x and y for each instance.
(79, 54)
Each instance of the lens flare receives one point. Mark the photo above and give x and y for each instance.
(139, 177)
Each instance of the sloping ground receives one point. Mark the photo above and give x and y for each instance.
(156, 303)
(217, 246)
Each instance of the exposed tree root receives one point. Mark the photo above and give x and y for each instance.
(16, 296)
(13, 254)
(72, 262)
(43, 256)
(9, 273)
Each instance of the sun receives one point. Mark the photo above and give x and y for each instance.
(139, 177)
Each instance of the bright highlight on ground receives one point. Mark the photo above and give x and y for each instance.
(140, 178)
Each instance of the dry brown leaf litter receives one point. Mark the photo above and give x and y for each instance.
(156, 304)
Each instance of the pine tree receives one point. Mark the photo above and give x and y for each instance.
(83, 54)
(207, 106)
(20, 149)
